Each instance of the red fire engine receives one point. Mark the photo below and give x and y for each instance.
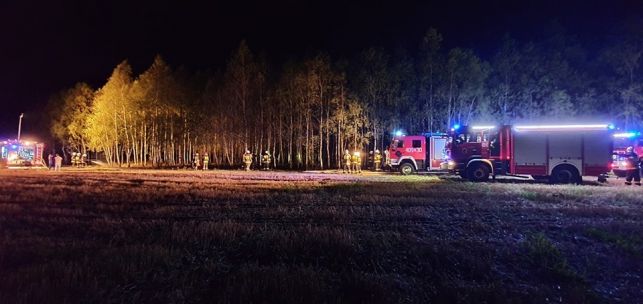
(621, 142)
(411, 153)
(16, 154)
(561, 153)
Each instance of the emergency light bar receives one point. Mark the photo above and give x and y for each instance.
(626, 135)
(482, 127)
(562, 127)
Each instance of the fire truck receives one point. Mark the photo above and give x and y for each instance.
(560, 153)
(21, 154)
(621, 142)
(412, 153)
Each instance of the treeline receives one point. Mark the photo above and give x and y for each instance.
(309, 111)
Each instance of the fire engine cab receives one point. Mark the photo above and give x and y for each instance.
(20, 154)
(621, 142)
(561, 153)
(411, 153)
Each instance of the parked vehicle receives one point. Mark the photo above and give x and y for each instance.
(561, 153)
(413, 153)
(15, 153)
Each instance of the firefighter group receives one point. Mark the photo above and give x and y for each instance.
(203, 163)
(78, 160)
(266, 160)
(352, 162)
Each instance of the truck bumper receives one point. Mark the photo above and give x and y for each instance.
(455, 168)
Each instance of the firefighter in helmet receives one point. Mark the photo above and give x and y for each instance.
(83, 159)
(247, 159)
(76, 161)
(387, 159)
(73, 159)
(633, 167)
(206, 161)
(347, 162)
(378, 160)
(356, 162)
(197, 161)
(265, 159)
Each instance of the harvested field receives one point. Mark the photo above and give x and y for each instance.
(238, 237)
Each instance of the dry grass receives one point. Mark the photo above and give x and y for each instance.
(237, 237)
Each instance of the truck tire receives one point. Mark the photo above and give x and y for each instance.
(478, 173)
(406, 168)
(565, 174)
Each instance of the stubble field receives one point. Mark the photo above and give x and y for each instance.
(281, 237)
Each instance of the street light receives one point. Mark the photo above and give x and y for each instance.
(20, 125)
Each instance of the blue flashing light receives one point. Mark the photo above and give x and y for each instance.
(626, 135)
(456, 126)
(611, 126)
(398, 133)
(14, 147)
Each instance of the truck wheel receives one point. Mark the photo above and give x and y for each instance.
(564, 175)
(478, 173)
(406, 169)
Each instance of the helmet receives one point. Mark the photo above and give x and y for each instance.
(267, 152)
(629, 149)
(347, 151)
(247, 151)
(377, 151)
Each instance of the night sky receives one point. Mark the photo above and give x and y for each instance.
(46, 47)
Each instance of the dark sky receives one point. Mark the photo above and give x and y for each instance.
(47, 46)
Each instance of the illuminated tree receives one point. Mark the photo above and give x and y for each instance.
(109, 120)
(69, 112)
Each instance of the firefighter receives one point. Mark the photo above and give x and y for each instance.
(377, 160)
(633, 167)
(387, 159)
(50, 161)
(206, 161)
(197, 161)
(75, 158)
(371, 160)
(247, 159)
(356, 161)
(58, 162)
(83, 159)
(266, 160)
(347, 162)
